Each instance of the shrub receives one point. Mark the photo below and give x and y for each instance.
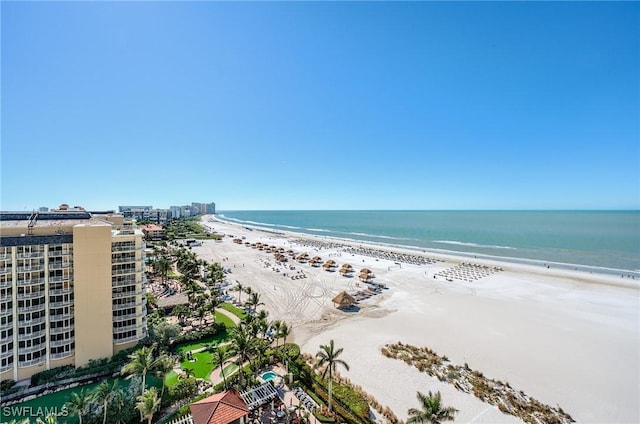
(193, 336)
(290, 350)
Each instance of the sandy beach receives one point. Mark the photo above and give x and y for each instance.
(567, 338)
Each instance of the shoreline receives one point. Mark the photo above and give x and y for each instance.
(630, 273)
(612, 275)
(549, 332)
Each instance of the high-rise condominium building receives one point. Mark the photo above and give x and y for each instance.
(72, 289)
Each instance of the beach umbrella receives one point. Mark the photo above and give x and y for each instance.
(343, 299)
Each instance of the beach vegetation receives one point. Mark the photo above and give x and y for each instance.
(431, 410)
(467, 380)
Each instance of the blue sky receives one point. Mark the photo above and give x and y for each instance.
(358, 105)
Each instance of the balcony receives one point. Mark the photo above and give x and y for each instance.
(60, 317)
(64, 342)
(31, 362)
(32, 308)
(120, 295)
(126, 282)
(7, 354)
(128, 259)
(127, 340)
(126, 271)
(61, 304)
(5, 270)
(59, 265)
(31, 335)
(120, 306)
(61, 355)
(32, 282)
(132, 315)
(60, 278)
(59, 253)
(28, 255)
(125, 328)
(30, 322)
(30, 268)
(31, 295)
(37, 348)
(60, 330)
(6, 298)
(6, 326)
(5, 284)
(116, 248)
(66, 290)
(5, 255)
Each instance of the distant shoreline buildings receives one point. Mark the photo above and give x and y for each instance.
(160, 216)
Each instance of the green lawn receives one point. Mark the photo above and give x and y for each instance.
(217, 339)
(225, 320)
(240, 313)
(171, 379)
(55, 402)
(202, 364)
(229, 369)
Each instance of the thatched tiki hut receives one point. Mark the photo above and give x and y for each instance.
(343, 299)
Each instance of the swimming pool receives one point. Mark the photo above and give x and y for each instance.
(269, 375)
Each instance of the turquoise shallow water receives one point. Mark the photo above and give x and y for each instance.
(602, 241)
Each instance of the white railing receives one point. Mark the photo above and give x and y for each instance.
(56, 343)
(61, 355)
(187, 419)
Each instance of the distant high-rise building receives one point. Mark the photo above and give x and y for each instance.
(139, 213)
(72, 289)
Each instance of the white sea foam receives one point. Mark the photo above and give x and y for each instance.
(461, 243)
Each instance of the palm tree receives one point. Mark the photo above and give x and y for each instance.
(212, 304)
(162, 267)
(284, 331)
(201, 312)
(242, 344)
(254, 301)
(239, 288)
(181, 311)
(328, 355)
(49, 419)
(275, 329)
(120, 402)
(431, 410)
(148, 404)
(79, 403)
(221, 355)
(164, 364)
(103, 394)
(141, 362)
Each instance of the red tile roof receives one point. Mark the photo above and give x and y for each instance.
(150, 227)
(221, 408)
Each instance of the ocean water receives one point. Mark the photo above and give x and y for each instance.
(599, 241)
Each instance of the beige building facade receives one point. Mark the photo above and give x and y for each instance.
(72, 289)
